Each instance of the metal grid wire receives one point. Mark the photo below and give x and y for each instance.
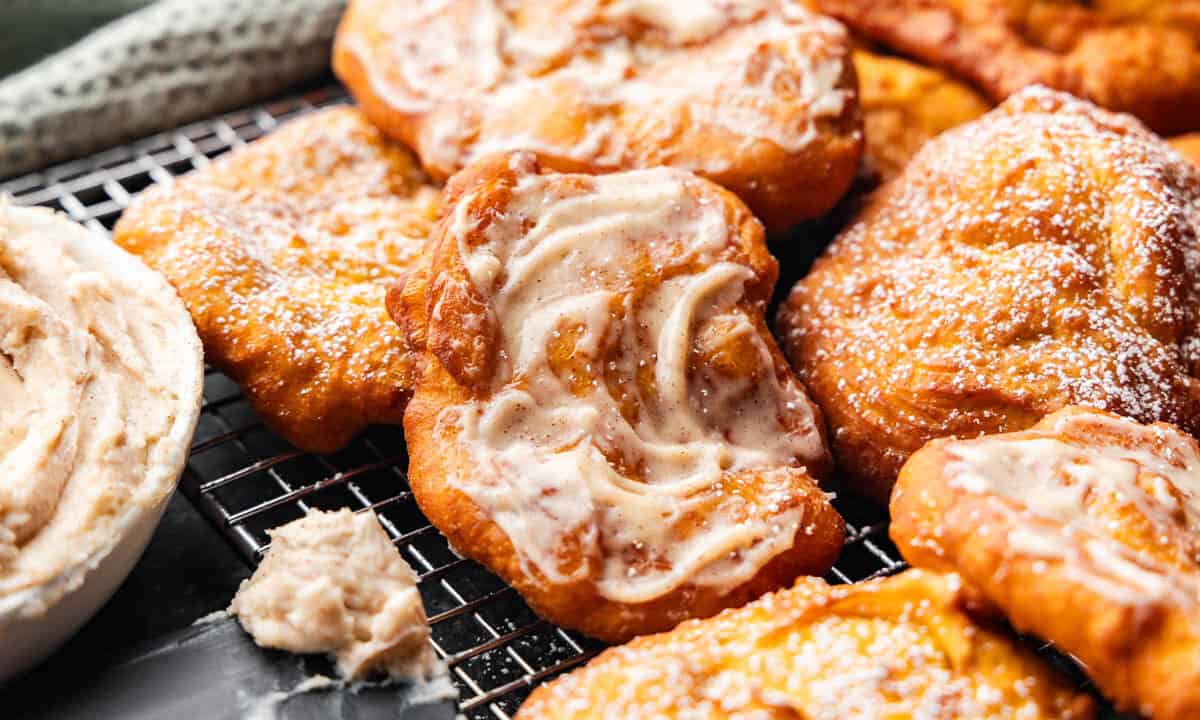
(246, 480)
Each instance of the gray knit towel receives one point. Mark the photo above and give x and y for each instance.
(169, 63)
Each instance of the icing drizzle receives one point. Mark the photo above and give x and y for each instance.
(613, 419)
(1072, 478)
(478, 60)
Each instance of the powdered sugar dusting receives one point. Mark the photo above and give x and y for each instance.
(899, 647)
(282, 252)
(1044, 255)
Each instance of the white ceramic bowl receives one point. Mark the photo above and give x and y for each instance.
(30, 639)
(35, 622)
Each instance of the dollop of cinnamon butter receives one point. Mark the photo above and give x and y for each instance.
(333, 582)
(100, 381)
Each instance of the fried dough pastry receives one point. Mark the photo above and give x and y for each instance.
(282, 252)
(904, 105)
(1188, 146)
(1042, 256)
(1084, 529)
(899, 647)
(757, 95)
(1135, 56)
(604, 420)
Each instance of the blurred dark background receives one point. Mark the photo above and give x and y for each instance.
(33, 29)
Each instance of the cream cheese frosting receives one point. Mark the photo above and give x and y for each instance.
(100, 380)
(503, 54)
(555, 458)
(333, 582)
(1053, 482)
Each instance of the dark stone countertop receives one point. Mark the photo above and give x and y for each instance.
(188, 571)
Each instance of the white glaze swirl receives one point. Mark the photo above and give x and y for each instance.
(495, 55)
(632, 271)
(1053, 483)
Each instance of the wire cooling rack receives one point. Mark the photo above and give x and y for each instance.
(245, 480)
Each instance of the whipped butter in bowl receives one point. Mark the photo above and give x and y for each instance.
(100, 384)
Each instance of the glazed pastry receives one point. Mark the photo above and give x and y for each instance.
(899, 647)
(604, 420)
(282, 251)
(1042, 256)
(1188, 146)
(1136, 56)
(1084, 529)
(904, 105)
(757, 95)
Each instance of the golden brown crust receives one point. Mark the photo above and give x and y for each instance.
(282, 251)
(1129, 611)
(1188, 146)
(462, 327)
(758, 97)
(1042, 256)
(1137, 57)
(892, 648)
(904, 105)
